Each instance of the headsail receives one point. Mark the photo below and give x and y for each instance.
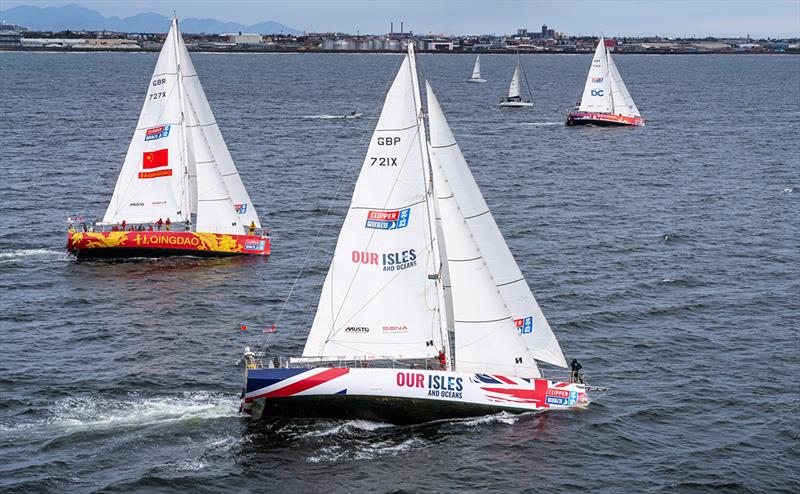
(623, 103)
(204, 127)
(476, 72)
(530, 323)
(597, 93)
(381, 296)
(514, 88)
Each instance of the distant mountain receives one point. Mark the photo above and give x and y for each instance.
(74, 17)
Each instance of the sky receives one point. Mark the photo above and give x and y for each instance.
(720, 18)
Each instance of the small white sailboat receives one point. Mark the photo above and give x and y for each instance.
(178, 192)
(514, 98)
(424, 313)
(476, 72)
(605, 100)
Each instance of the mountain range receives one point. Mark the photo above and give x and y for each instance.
(75, 18)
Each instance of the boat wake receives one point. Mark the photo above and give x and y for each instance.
(366, 451)
(542, 124)
(97, 414)
(14, 255)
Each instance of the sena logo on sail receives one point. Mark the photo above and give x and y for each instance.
(388, 220)
(391, 261)
(156, 133)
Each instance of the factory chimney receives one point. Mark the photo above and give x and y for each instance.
(391, 27)
(401, 27)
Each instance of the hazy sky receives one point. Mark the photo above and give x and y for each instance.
(765, 18)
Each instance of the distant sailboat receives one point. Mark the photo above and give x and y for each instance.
(476, 72)
(514, 99)
(605, 101)
(178, 192)
(424, 313)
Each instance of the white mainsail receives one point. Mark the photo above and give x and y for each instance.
(597, 93)
(381, 297)
(514, 88)
(623, 103)
(476, 72)
(153, 182)
(177, 163)
(507, 279)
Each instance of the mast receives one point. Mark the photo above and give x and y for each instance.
(608, 71)
(430, 207)
(184, 144)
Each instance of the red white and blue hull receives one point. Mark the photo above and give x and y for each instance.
(602, 119)
(399, 395)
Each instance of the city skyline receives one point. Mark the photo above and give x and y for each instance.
(772, 18)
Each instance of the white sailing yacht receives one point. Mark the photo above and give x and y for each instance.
(514, 98)
(476, 72)
(605, 100)
(424, 313)
(178, 191)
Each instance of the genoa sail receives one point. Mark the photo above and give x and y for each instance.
(381, 297)
(507, 279)
(623, 102)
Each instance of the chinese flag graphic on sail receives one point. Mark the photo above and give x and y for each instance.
(155, 159)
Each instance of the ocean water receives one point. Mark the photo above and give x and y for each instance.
(667, 259)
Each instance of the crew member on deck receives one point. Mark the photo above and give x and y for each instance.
(252, 227)
(123, 225)
(160, 224)
(442, 361)
(188, 225)
(576, 371)
(167, 224)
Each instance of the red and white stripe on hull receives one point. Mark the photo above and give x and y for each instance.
(590, 118)
(483, 392)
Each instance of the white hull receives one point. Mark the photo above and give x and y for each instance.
(400, 395)
(476, 80)
(515, 104)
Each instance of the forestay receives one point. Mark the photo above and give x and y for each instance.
(597, 93)
(529, 324)
(380, 298)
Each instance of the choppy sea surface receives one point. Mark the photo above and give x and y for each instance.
(667, 259)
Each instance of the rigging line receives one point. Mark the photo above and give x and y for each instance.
(525, 75)
(343, 177)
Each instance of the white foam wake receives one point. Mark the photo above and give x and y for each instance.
(17, 254)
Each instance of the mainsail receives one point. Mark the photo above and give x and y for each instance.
(382, 296)
(177, 163)
(597, 93)
(476, 72)
(514, 88)
(529, 324)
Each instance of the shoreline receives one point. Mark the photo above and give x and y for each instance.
(51, 49)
